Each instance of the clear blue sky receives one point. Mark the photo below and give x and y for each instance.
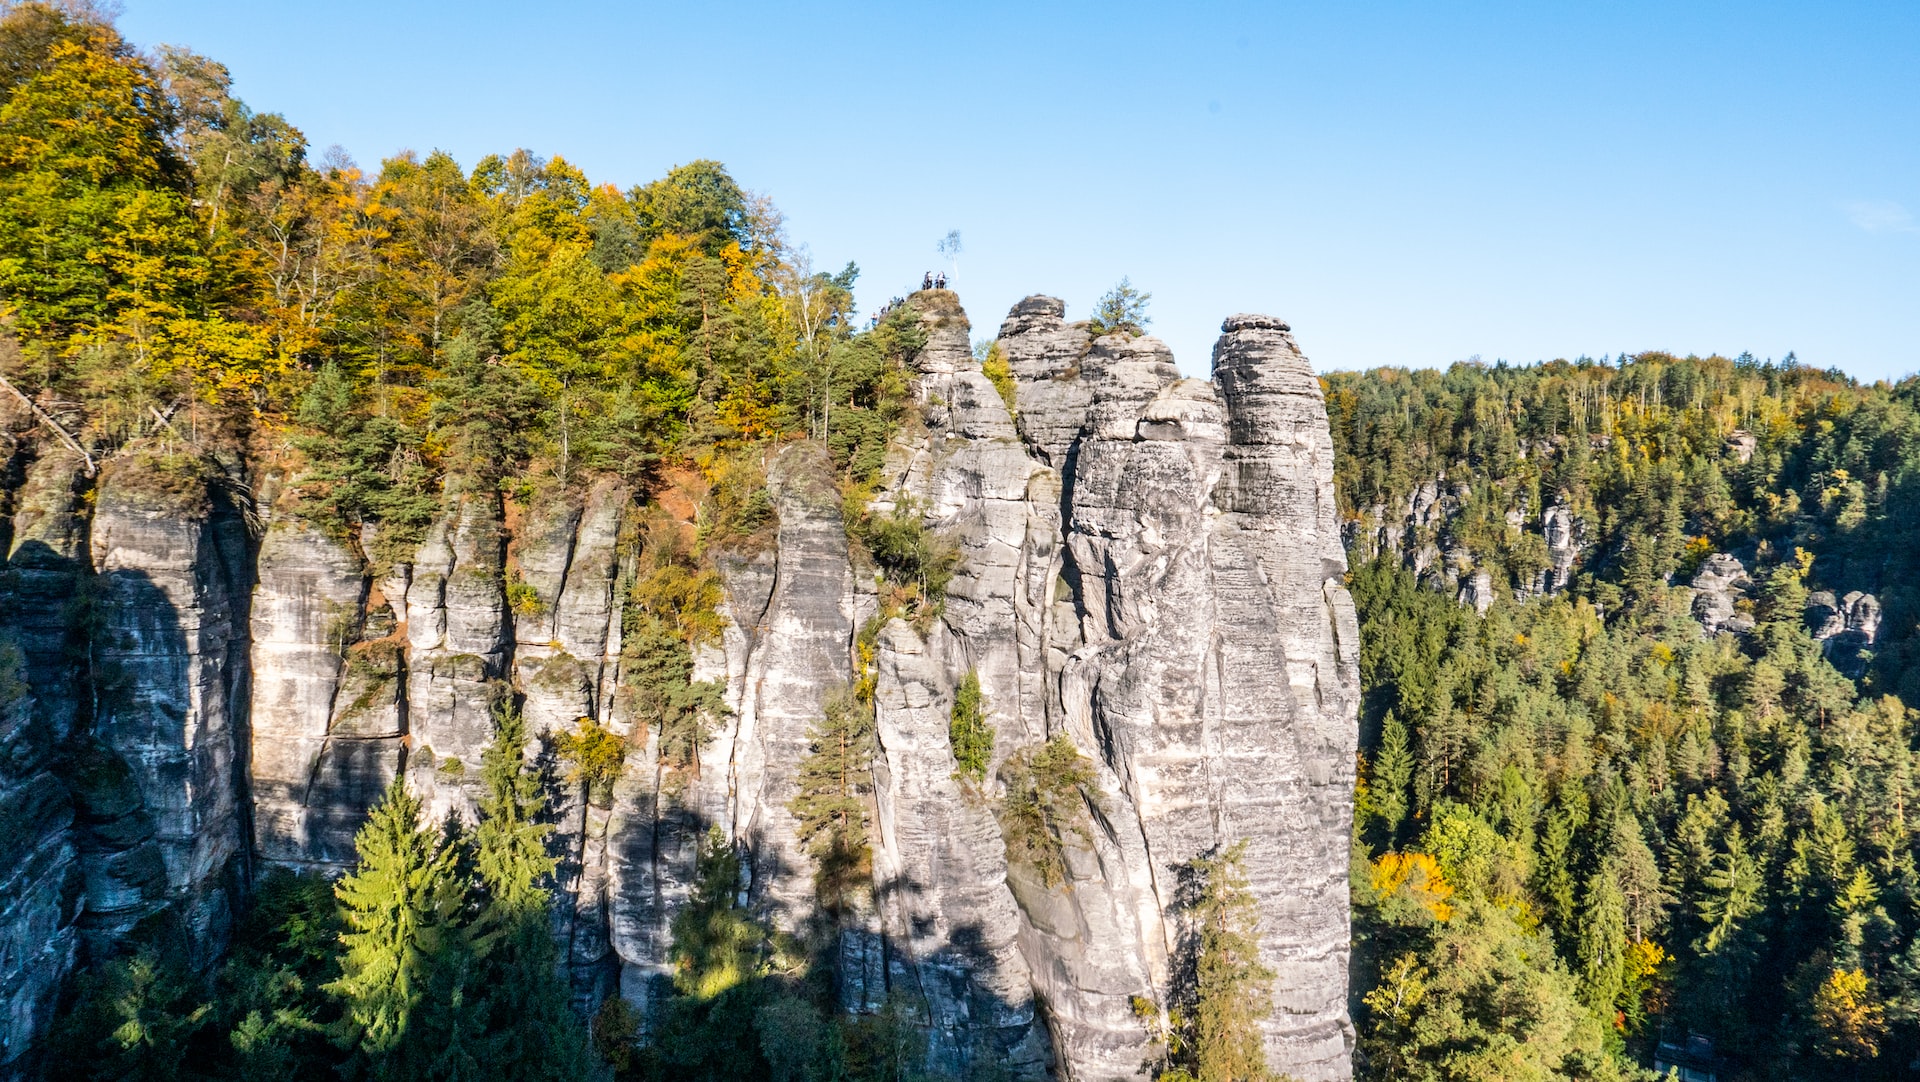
(1406, 183)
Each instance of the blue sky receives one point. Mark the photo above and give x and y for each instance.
(1406, 183)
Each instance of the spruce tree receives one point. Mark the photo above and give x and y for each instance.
(510, 844)
(532, 1033)
(831, 805)
(399, 906)
(1392, 774)
(1231, 987)
(1603, 941)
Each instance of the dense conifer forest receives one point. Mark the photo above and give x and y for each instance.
(1591, 831)
(1589, 825)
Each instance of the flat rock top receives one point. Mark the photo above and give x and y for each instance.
(1251, 321)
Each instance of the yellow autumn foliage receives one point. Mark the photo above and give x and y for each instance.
(1418, 876)
(1850, 1018)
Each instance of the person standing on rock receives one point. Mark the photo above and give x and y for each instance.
(926, 280)
(939, 281)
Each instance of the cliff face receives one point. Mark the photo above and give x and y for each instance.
(122, 785)
(1148, 566)
(1203, 649)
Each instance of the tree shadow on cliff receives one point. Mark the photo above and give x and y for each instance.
(829, 998)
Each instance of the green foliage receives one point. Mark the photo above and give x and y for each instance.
(672, 606)
(717, 946)
(833, 801)
(968, 731)
(87, 175)
(271, 1000)
(698, 200)
(133, 1019)
(400, 907)
(1702, 831)
(994, 366)
(524, 599)
(1048, 789)
(510, 844)
(1120, 310)
(596, 756)
(1225, 991)
(1392, 776)
(1490, 1000)
(362, 468)
(914, 562)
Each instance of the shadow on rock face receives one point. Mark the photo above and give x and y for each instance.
(832, 988)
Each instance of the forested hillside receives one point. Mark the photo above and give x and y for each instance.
(462, 620)
(1616, 810)
(185, 284)
(1636, 743)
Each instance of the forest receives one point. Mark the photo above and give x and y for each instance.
(1588, 826)
(1591, 833)
(182, 280)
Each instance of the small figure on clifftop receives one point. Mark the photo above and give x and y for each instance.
(940, 281)
(926, 280)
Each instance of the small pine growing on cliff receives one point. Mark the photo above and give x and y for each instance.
(836, 780)
(971, 736)
(915, 562)
(1047, 792)
(1122, 309)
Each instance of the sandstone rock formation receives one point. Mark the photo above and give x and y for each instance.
(1846, 628)
(1148, 566)
(1719, 587)
(1420, 534)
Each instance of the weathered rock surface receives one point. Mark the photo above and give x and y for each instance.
(175, 573)
(1148, 566)
(1190, 570)
(1419, 533)
(40, 877)
(1718, 588)
(316, 765)
(458, 644)
(1846, 628)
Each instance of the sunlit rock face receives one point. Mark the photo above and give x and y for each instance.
(1148, 566)
(1204, 652)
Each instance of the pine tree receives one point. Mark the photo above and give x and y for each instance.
(968, 731)
(1392, 774)
(1231, 992)
(831, 805)
(1121, 309)
(399, 905)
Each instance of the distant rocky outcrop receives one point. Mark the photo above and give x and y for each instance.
(1846, 628)
(1723, 595)
(1420, 533)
